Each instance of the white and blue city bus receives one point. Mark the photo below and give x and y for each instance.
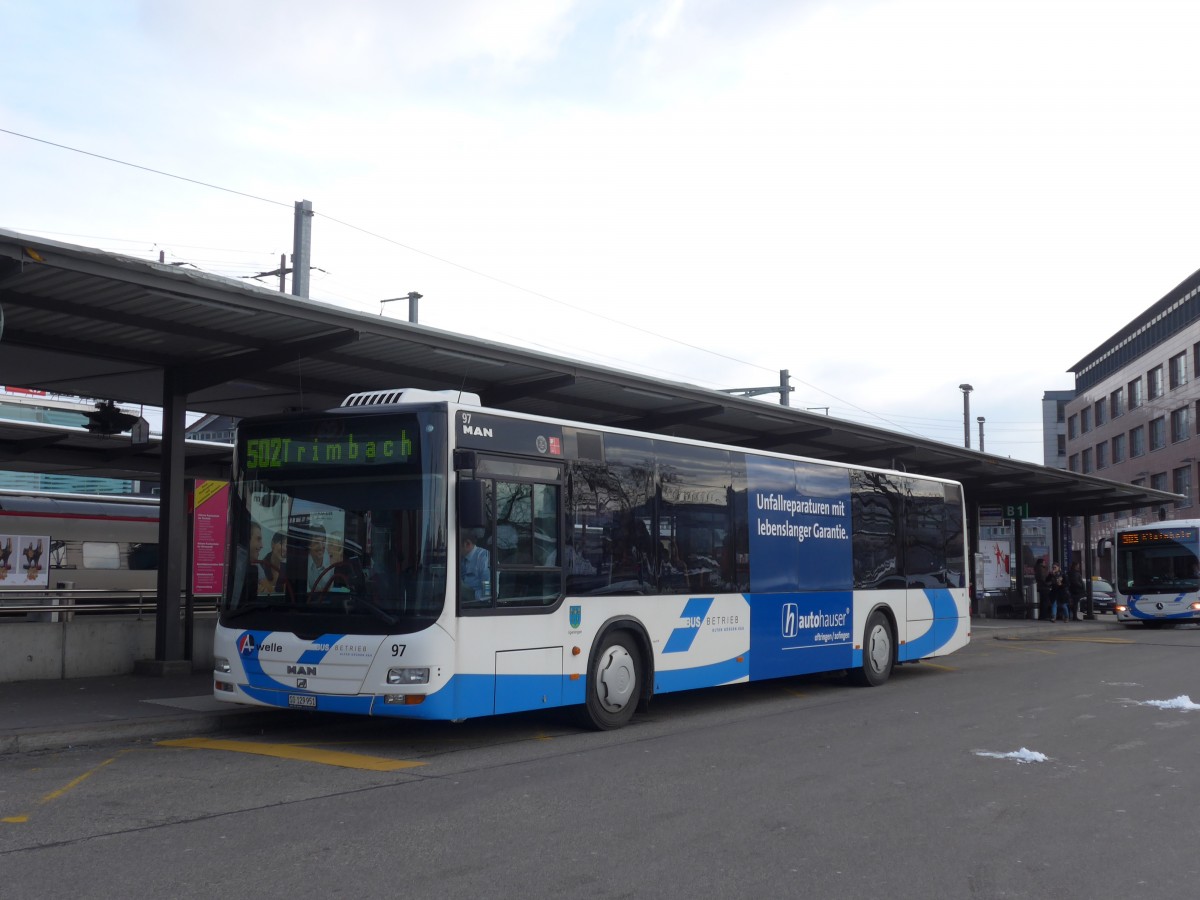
(412, 554)
(1158, 573)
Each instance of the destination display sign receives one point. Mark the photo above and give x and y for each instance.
(328, 443)
(1158, 536)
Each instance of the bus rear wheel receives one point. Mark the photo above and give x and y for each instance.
(614, 682)
(878, 653)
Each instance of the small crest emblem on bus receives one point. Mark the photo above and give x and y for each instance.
(246, 644)
(576, 616)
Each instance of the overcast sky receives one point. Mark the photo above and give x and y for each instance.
(887, 199)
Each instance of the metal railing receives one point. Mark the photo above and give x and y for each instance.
(62, 605)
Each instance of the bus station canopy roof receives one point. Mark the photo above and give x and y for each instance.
(76, 320)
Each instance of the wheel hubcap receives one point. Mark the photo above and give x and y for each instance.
(615, 679)
(880, 649)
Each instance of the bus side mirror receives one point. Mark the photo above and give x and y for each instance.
(471, 512)
(464, 461)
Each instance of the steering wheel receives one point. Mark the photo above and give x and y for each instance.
(335, 573)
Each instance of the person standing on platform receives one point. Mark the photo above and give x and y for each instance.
(1076, 590)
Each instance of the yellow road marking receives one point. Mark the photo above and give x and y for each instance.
(1026, 649)
(304, 754)
(926, 663)
(54, 795)
(75, 782)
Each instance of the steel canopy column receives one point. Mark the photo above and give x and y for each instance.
(1090, 611)
(1018, 561)
(172, 522)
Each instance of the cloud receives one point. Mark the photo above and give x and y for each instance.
(885, 198)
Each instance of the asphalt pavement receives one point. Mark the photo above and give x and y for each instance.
(64, 713)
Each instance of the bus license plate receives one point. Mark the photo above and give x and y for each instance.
(302, 700)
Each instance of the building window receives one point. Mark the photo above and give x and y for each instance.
(1073, 462)
(1102, 455)
(1073, 427)
(1118, 449)
(1154, 383)
(1116, 403)
(1137, 441)
(1101, 411)
(1087, 460)
(1085, 419)
(1158, 433)
(1137, 482)
(1060, 407)
(1181, 483)
(1179, 425)
(1062, 444)
(1177, 375)
(1158, 481)
(1136, 397)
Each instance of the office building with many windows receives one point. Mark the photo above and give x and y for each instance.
(1054, 428)
(1135, 408)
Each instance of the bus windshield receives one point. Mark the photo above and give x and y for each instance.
(1158, 561)
(339, 525)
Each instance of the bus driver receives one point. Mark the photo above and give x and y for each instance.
(476, 569)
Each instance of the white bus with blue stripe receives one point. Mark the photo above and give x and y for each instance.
(412, 554)
(1158, 574)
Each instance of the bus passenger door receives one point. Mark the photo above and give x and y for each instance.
(510, 549)
(932, 566)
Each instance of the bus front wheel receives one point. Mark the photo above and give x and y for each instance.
(878, 652)
(614, 682)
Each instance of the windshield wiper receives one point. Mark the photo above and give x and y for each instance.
(273, 606)
(375, 610)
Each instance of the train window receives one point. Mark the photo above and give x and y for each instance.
(101, 555)
(143, 556)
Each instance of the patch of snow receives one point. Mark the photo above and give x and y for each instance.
(1181, 702)
(1021, 756)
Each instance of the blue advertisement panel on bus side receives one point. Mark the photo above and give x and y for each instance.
(801, 572)
(797, 634)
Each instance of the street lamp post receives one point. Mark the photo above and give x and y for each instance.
(980, 420)
(966, 389)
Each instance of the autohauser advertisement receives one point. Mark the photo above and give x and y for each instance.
(799, 524)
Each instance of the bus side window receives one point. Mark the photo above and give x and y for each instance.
(527, 544)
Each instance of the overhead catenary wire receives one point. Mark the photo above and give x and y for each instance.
(448, 262)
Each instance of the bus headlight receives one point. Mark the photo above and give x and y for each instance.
(221, 664)
(408, 676)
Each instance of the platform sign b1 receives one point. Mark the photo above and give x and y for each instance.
(1016, 511)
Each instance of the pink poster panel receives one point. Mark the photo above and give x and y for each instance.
(210, 511)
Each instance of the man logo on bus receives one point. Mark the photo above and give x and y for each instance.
(246, 644)
(576, 616)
